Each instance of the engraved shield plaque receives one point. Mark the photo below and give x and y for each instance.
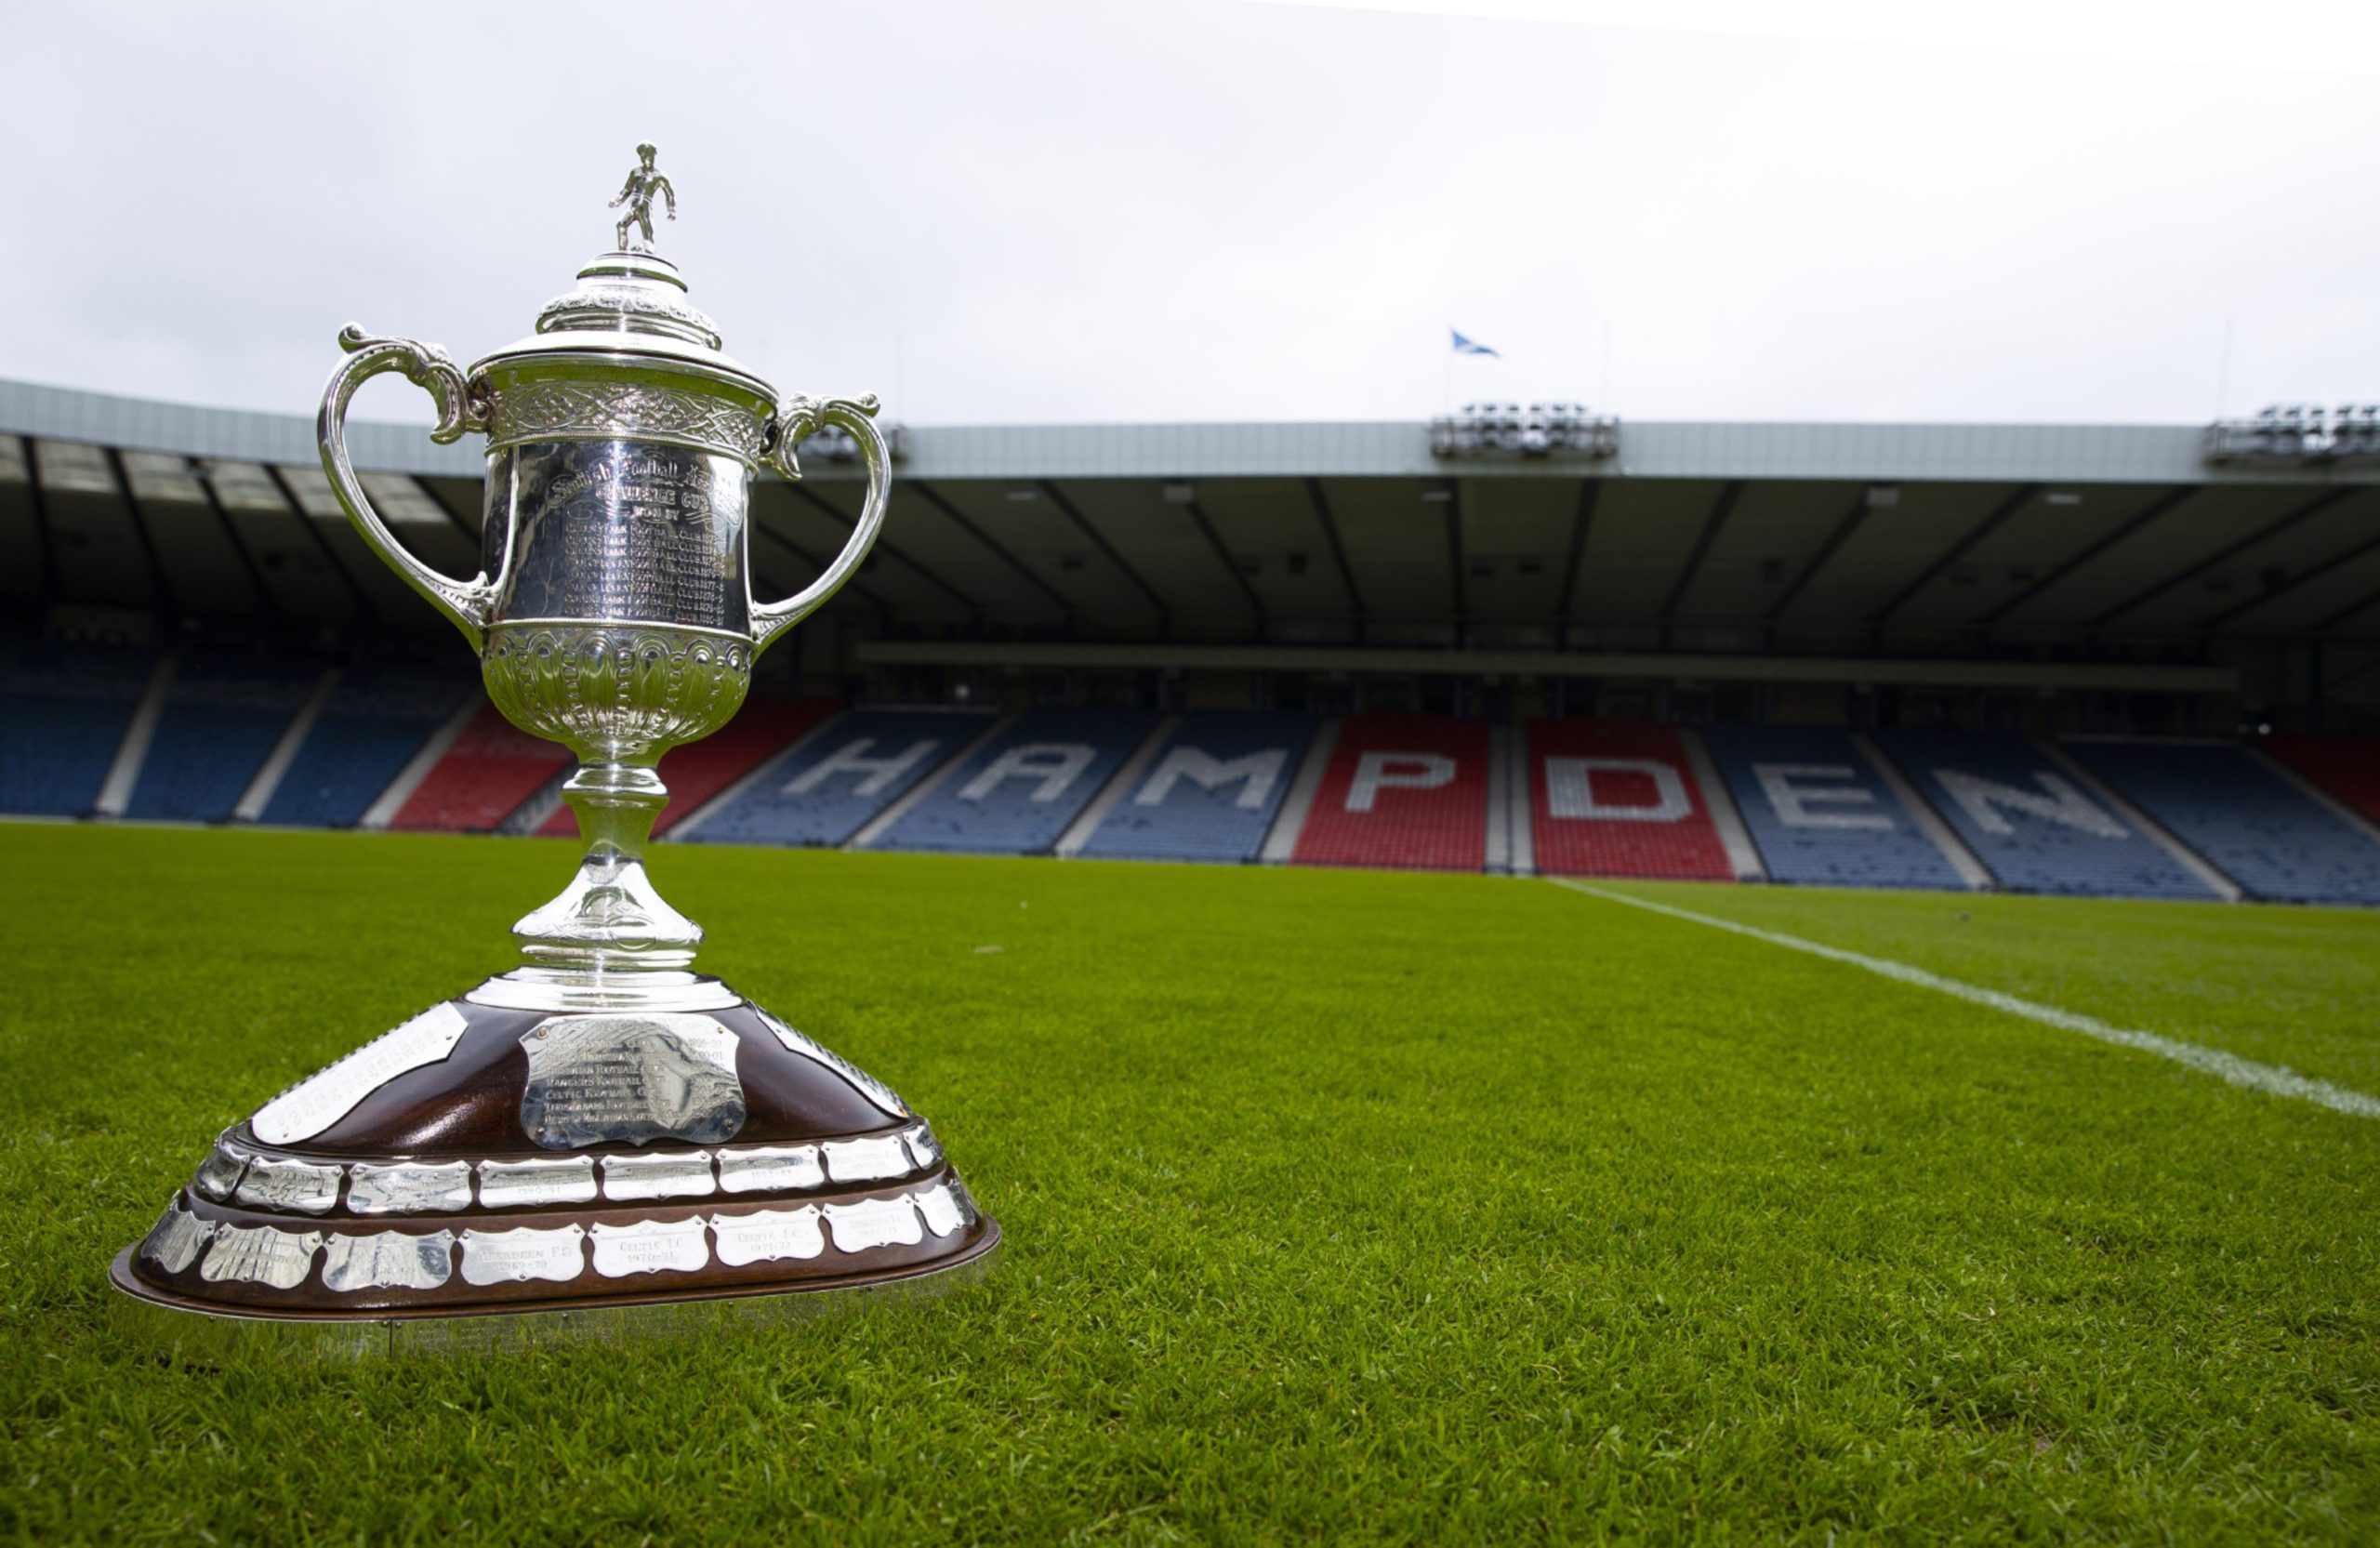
(682, 1175)
(220, 1171)
(874, 1222)
(408, 1187)
(770, 1168)
(600, 1079)
(390, 1259)
(260, 1255)
(174, 1244)
(567, 1181)
(650, 1247)
(871, 1160)
(280, 1185)
(765, 1236)
(941, 1210)
(494, 1257)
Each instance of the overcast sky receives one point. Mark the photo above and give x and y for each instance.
(1030, 212)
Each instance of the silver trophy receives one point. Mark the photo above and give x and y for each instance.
(519, 1137)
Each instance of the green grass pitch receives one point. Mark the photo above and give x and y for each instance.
(1340, 1206)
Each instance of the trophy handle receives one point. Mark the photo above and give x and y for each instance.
(797, 419)
(470, 604)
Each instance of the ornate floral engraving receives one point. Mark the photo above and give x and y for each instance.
(558, 410)
(614, 690)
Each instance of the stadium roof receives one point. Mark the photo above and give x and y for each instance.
(1824, 541)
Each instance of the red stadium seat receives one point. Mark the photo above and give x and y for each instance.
(2349, 767)
(485, 775)
(1407, 791)
(1616, 798)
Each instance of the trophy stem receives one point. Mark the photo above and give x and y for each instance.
(611, 916)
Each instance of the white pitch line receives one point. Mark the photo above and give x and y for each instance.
(2273, 1080)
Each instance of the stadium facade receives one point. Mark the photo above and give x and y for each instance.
(2131, 660)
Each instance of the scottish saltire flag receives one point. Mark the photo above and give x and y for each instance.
(1471, 346)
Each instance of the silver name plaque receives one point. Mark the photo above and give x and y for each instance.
(629, 1080)
(765, 1236)
(328, 1095)
(173, 1245)
(300, 1185)
(391, 1260)
(680, 1176)
(771, 1168)
(871, 1160)
(874, 1222)
(408, 1187)
(922, 1146)
(499, 1257)
(941, 1210)
(220, 1171)
(810, 1048)
(650, 1247)
(504, 1183)
(260, 1255)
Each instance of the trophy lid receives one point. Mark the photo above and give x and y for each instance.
(630, 301)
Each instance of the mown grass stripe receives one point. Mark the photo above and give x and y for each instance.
(2273, 1080)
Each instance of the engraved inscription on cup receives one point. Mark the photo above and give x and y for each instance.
(632, 531)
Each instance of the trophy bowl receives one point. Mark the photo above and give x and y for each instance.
(600, 1134)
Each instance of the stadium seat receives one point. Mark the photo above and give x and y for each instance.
(1211, 791)
(1405, 791)
(1018, 793)
(699, 770)
(221, 717)
(375, 722)
(827, 787)
(63, 713)
(491, 769)
(2030, 823)
(1616, 798)
(1820, 814)
(2349, 767)
(2256, 828)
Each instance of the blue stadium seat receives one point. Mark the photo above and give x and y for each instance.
(1017, 793)
(221, 717)
(825, 789)
(1212, 792)
(375, 721)
(1819, 812)
(63, 712)
(2259, 829)
(2035, 828)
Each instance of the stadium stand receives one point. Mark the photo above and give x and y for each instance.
(1212, 790)
(699, 770)
(63, 712)
(2349, 767)
(827, 787)
(1019, 791)
(375, 722)
(1820, 812)
(1616, 798)
(1407, 792)
(222, 715)
(485, 775)
(2030, 823)
(2250, 821)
